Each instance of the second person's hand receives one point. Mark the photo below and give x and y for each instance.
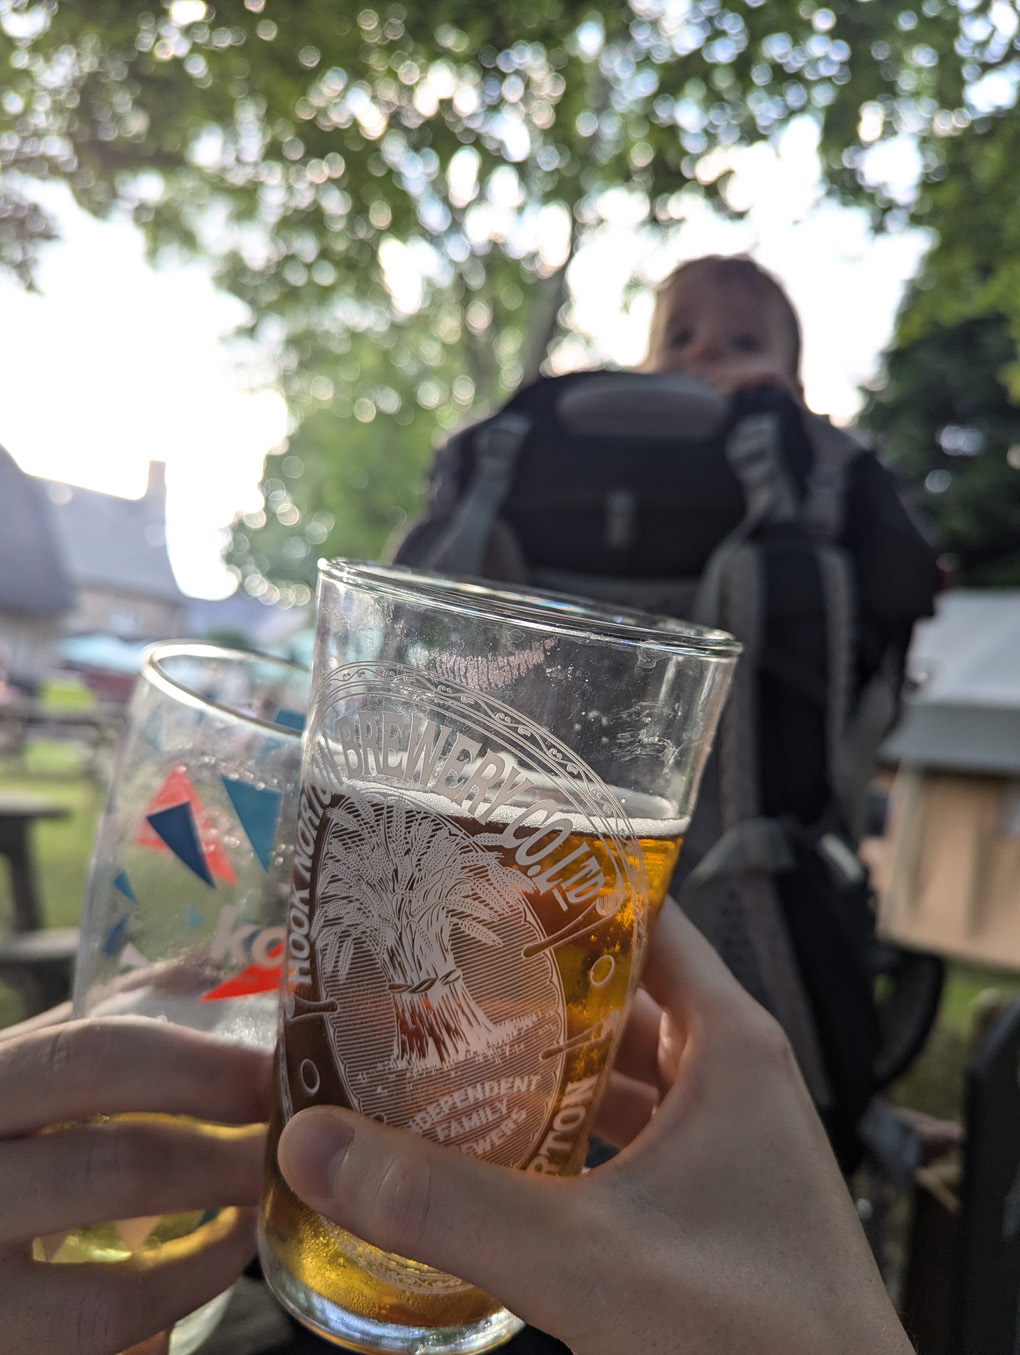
(80, 1172)
(724, 1226)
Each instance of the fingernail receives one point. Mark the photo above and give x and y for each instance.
(312, 1148)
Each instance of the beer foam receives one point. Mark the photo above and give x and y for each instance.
(648, 816)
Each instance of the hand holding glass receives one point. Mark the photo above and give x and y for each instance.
(184, 912)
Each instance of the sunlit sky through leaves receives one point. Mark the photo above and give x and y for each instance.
(114, 363)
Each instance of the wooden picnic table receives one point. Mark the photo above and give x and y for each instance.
(18, 812)
(96, 729)
(35, 961)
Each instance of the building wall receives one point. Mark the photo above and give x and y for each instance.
(125, 615)
(115, 555)
(28, 645)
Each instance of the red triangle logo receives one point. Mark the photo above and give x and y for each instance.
(257, 978)
(178, 790)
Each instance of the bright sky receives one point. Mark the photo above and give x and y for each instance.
(114, 363)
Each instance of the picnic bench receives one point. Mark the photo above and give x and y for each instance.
(96, 729)
(39, 965)
(36, 962)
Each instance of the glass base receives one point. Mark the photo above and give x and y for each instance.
(372, 1337)
(189, 1333)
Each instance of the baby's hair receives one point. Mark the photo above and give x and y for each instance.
(732, 270)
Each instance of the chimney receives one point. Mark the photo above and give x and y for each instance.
(156, 486)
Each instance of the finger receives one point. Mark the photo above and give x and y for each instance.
(54, 1017)
(50, 1183)
(636, 1054)
(708, 1018)
(109, 1066)
(626, 1108)
(102, 1309)
(419, 1199)
(716, 1043)
(684, 974)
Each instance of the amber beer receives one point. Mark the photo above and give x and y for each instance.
(314, 1267)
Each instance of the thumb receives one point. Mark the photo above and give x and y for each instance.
(502, 1230)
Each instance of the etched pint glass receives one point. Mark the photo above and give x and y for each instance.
(495, 788)
(186, 899)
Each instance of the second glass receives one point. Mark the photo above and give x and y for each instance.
(495, 788)
(183, 917)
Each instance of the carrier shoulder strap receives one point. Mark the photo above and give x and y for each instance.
(460, 549)
(735, 880)
(856, 735)
(834, 451)
(755, 452)
(756, 455)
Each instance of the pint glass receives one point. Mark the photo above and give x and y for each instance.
(186, 899)
(495, 788)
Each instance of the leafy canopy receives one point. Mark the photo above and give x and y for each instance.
(396, 191)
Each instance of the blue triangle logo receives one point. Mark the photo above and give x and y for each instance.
(176, 827)
(258, 808)
(123, 886)
(115, 936)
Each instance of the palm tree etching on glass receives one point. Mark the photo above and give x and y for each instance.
(400, 879)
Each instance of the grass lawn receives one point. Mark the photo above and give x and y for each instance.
(935, 1082)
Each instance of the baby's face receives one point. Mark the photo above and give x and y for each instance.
(724, 334)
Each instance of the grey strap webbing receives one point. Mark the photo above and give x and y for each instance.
(461, 548)
(753, 849)
(854, 736)
(873, 717)
(755, 844)
(755, 455)
(834, 451)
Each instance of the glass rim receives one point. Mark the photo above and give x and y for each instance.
(153, 670)
(539, 608)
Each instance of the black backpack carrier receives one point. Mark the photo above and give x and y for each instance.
(757, 517)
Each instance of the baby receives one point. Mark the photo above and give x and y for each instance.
(728, 322)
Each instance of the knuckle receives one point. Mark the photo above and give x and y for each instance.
(85, 1321)
(96, 1322)
(115, 1166)
(403, 1201)
(248, 1080)
(79, 1051)
(770, 1041)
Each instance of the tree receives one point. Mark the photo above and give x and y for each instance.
(949, 411)
(949, 425)
(419, 178)
(352, 472)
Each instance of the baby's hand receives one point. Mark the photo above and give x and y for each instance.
(751, 375)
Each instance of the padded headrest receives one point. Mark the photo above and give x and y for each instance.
(653, 405)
